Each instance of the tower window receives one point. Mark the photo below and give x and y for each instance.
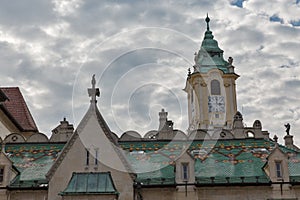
(278, 169)
(185, 171)
(250, 134)
(215, 87)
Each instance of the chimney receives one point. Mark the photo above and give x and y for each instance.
(288, 141)
(162, 119)
(62, 132)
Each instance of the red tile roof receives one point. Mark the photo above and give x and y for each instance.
(3, 97)
(17, 110)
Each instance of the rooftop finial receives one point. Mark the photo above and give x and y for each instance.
(93, 81)
(93, 92)
(207, 21)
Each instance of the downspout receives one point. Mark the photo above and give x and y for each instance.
(137, 191)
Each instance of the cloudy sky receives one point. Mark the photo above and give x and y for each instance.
(140, 52)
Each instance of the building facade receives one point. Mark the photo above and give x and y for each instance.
(217, 158)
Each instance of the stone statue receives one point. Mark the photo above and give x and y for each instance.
(93, 81)
(288, 127)
(230, 60)
(196, 58)
(195, 68)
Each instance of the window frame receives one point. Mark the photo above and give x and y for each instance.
(185, 171)
(96, 156)
(278, 169)
(215, 87)
(87, 158)
(2, 174)
(250, 134)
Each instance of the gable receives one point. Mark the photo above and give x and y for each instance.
(94, 137)
(78, 155)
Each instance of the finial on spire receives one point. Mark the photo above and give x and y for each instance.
(93, 92)
(93, 81)
(207, 21)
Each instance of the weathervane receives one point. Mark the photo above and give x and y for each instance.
(93, 92)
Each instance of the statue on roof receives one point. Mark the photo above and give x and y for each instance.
(196, 58)
(230, 60)
(93, 81)
(288, 127)
(93, 92)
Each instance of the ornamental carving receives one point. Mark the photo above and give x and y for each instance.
(203, 84)
(226, 84)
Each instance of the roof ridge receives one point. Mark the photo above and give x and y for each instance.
(93, 110)
(28, 114)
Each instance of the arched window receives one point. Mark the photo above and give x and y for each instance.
(215, 87)
(250, 134)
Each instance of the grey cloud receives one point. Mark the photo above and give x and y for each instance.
(241, 33)
(22, 13)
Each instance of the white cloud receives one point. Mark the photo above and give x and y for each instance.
(48, 48)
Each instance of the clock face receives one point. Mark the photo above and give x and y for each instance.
(216, 104)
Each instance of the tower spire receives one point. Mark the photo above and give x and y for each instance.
(207, 22)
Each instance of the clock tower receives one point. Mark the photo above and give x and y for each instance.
(211, 87)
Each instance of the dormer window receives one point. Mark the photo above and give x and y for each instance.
(185, 171)
(278, 169)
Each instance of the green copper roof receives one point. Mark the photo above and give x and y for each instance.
(210, 55)
(90, 183)
(234, 162)
(33, 161)
(163, 176)
(217, 161)
(16, 183)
